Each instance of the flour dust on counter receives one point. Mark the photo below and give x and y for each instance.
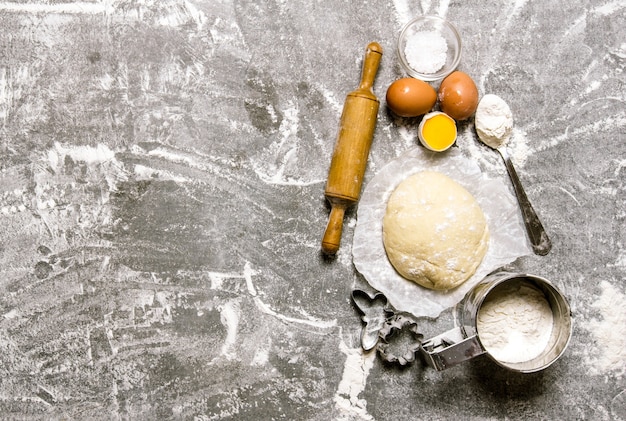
(353, 382)
(161, 203)
(607, 355)
(405, 10)
(162, 294)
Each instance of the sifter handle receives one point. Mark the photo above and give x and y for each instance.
(332, 235)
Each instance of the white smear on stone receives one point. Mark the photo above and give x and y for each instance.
(620, 260)
(174, 156)
(403, 11)
(614, 190)
(509, 14)
(248, 272)
(7, 93)
(608, 353)
(181, 16)
(196, 160)
(289, 126)
(576, 28)
(609, 123)
(60, 8)
(11, 314)
(288, 181)
(146, 173)
(229, 316)
(329, 96)
(217, 278)
(94, 156)
(313, 322)
(354, 379)
(610, 8)
(443, 8)
(88, 154)
(570, 194)
(593, 86)
(174, 15)
(288, 130)
(282, 154)
(261, 355)
(520, 147)
(604, 10)
(407, 133)
(517, 6)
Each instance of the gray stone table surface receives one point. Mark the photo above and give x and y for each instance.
(162, 204)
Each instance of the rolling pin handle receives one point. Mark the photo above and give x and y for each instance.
(332, 236)
(373, 54)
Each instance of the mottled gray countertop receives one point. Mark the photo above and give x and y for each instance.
(162, 205)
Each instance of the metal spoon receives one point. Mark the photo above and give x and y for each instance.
(494, 123)
(539, 240)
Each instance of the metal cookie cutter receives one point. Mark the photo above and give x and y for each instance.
(399, 339)
(394, 334)
(374, 310)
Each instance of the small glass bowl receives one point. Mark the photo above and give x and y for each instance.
(429, 25)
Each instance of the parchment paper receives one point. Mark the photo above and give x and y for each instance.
(508, 240)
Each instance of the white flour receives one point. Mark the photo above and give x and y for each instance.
(608, 349)
(494, 121)
(515, 323)
(353, 382)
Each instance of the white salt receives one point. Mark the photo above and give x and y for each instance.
(426, 51)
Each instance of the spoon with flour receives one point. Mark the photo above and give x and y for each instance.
(494, 123)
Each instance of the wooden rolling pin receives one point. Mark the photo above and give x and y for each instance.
(352, 147)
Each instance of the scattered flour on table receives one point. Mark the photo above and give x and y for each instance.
(280, 162)
(230, 315)
(357, 367)
(443, 8)
(520, 149)
(608, 354)
(489, 160)
(87, 8)
(403, 11)
(406, 10)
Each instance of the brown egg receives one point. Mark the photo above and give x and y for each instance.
(410, 97)
(458, 95)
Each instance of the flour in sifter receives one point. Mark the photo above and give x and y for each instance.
(515, 323)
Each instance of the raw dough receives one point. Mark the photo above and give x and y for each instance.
(434, 231)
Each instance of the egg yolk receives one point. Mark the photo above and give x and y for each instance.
(439, 131)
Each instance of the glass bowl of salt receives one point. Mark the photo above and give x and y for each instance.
(429, 48)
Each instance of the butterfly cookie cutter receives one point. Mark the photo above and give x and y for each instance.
(394, 334)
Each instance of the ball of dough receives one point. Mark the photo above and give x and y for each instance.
(434, 231)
